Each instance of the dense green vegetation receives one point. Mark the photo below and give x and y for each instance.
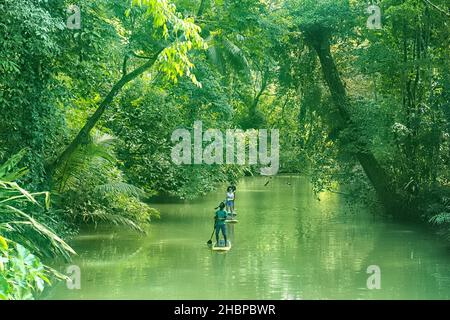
(90, 112)
(22, 273)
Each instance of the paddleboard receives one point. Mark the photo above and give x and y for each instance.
(221, 247)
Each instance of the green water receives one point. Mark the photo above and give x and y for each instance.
(287, 245)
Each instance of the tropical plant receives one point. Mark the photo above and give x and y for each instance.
(22, 274)
(91, 189)
(437, 209)
(21, 214)
(23, 237)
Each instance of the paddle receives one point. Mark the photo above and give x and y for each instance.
(210, 239)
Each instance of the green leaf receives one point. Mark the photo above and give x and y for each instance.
(4, 287)
(3, 243)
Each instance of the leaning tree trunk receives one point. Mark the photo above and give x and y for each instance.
(375, 173)
(83, 135)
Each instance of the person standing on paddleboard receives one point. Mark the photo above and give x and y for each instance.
(233, 186)
(230, 199)
(219, 218)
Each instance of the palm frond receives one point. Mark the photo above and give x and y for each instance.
(105, 139)
(84, 160)
(15, 221)
(440, 219)
(114, 219)
(120, 188)
(223, 53)
(13, 187)
(45, 232)
(235, 55)
(216, 58)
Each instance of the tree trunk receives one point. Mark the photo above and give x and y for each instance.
(375, 173)
(83, 135)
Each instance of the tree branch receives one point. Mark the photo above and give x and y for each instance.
(124, 65)
(92, 121)
(437, 8)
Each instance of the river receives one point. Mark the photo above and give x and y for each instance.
(287, 245)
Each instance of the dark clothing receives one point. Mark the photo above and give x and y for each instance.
(220, 217)
(222, 228)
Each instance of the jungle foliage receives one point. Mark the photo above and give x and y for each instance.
(365, 111)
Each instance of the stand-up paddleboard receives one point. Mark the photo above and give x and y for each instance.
(221, 246)
(231, 219)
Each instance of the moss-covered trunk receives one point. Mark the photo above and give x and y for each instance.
(372, 168)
